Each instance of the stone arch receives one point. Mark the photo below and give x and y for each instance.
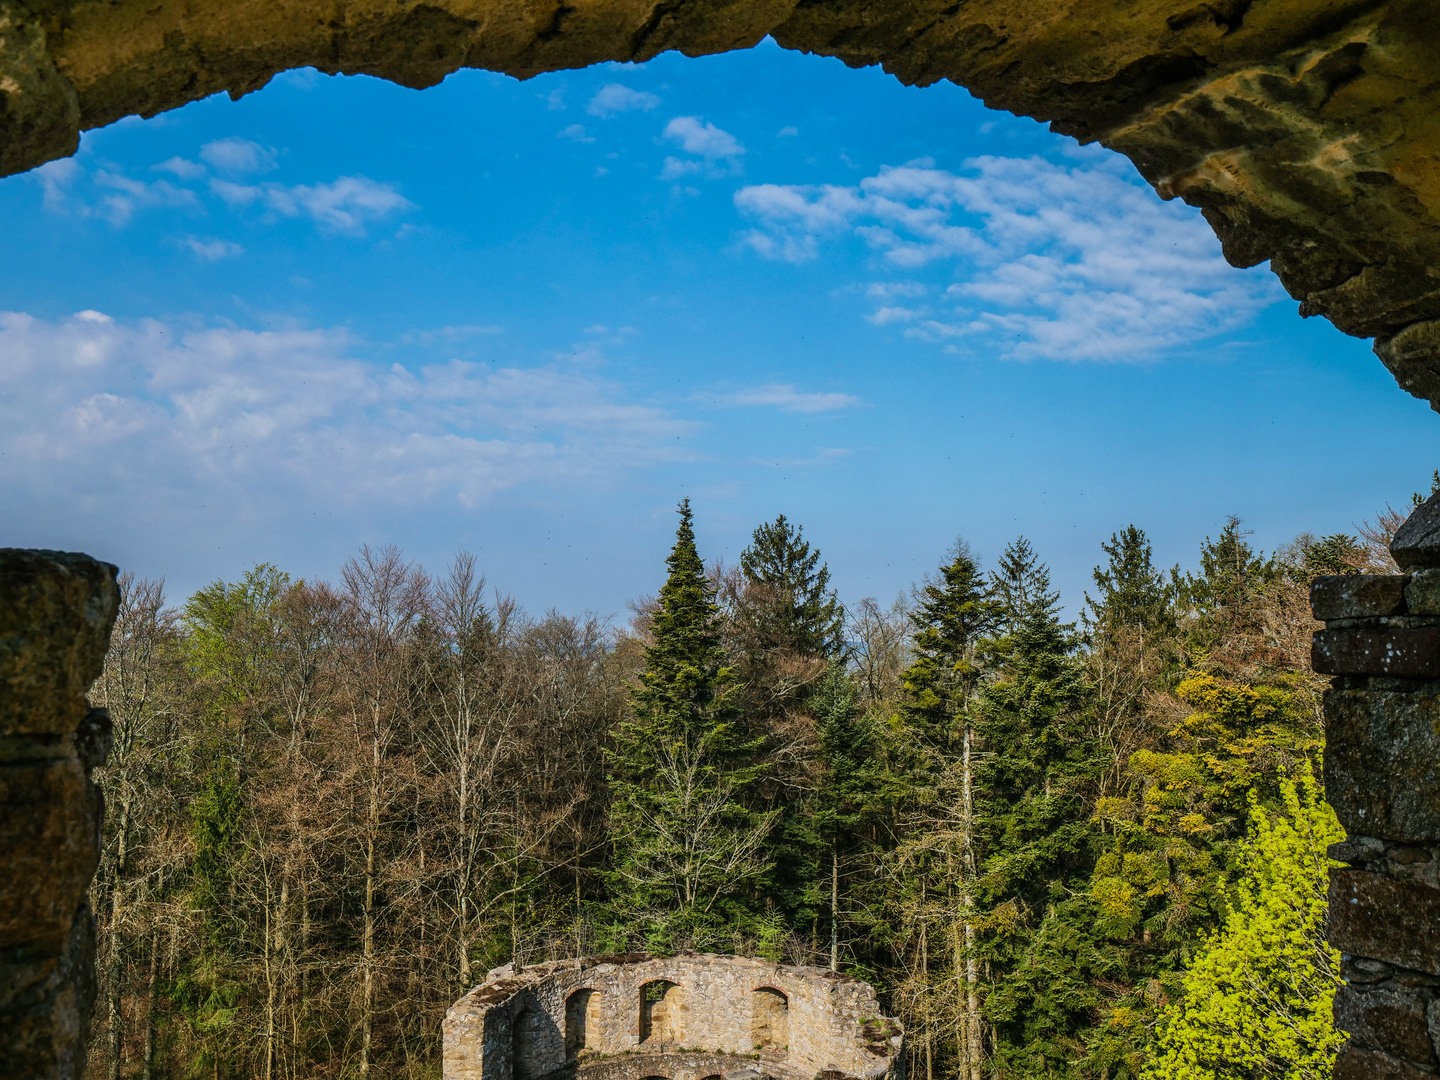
(769, 1019)
(661, 1012)
(582, 1010)
(1306, 139)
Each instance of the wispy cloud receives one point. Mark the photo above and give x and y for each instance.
(222, 413)
(213, 250)
(345, 205)
(1061, 262)
(125, 196)
(781, 396)
(613, 98)
(237, 157)
(576, 132)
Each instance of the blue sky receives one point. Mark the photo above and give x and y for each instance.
(526, 318)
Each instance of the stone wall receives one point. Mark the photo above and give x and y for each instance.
(1382, 775)
(685, 1017)
(56, 610)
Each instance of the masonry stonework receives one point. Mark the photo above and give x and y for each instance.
(1381, 642)
(686, 1017)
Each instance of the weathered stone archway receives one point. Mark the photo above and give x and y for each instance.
(1304, 129)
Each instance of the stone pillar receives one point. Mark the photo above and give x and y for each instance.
(56, 610)
(1382, 775)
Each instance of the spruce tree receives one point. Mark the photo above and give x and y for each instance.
(935, 756)
(1038, 841)
(687, 848)
(802, 614)
(847, 804)
(1133, 594)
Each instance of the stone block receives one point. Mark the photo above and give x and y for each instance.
(1417, 541)
(1389, 1018)
(1379, 917)
(1358, 596)
(46, 1002)
(49, 847)
(1422, 594)
(1382, 763)
(1357, 1064)
(56, 609)
(1412, 653)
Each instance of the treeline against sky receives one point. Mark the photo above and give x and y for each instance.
(1089, 849)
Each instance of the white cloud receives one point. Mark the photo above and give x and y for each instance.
(576, 132)
(237, 157)
(181, 167)
(783, 396)
(703, 139)
(236, 419)
(1074, 263)
(344, 205)
(787, 132)
(613, 98)
(213, 250)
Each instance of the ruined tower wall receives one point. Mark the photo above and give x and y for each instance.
(794, 1021)
(1382, 776)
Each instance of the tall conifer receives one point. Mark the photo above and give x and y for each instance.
(1039, 845)
(687, 849)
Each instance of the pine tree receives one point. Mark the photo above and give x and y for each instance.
(1034, 825)
(1257, 998)
(687, 848)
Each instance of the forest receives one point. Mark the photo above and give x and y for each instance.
(1092, 848)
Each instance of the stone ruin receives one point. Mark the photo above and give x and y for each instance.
(1382, 776)
(687, 1017)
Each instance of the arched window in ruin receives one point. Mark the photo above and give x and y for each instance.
(660, 1008)
(525, 1045)
(769, 1020)
(578, 1011)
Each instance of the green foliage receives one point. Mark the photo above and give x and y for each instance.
(954, 615)
(687, 849)
(1257, 997)
(1132, 594)
(214, 831)
(1037, 844)
(803, 614)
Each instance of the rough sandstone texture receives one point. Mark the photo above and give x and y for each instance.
(686, 1017)
(1304, 129)
(56, 610)
(1382, 776)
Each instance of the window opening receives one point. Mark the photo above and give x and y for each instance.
(769, 1020)
(577, 1021)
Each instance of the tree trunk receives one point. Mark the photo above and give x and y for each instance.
(834, 908)
(367, 1006)
(147, 1069)
(972, 1047)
